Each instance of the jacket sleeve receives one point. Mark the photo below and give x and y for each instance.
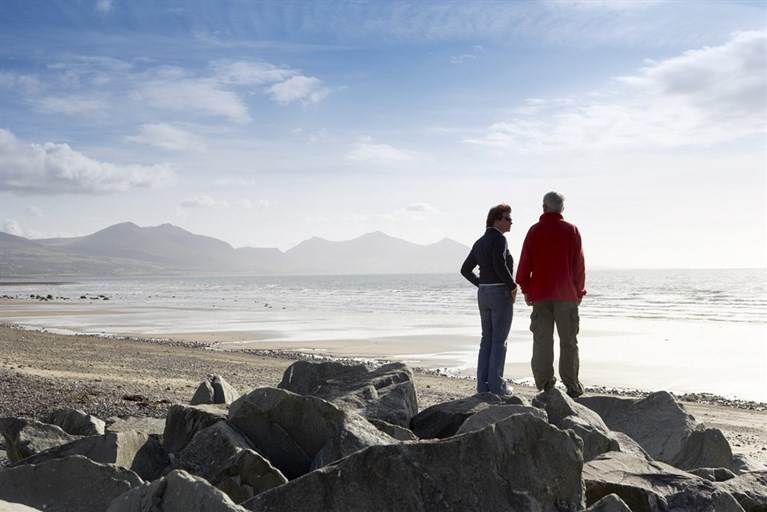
(579, 266)
(467, 269)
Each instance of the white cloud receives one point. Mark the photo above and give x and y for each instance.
(52, 168)
(204, 202)
(366, 150)
(165, 136)
(702, 97)
(420, 208)
(104, 5)
(12, 227)
(15, 81)
(416, 211)
(250, 72)
(200, 96)
(73, 105)
(34, 211)
(298, 88)
(467, 57)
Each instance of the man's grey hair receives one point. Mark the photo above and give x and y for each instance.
(554, 202)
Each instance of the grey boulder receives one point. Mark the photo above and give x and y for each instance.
(443, 420)
(214, 390)
(300, 433)
(69, 484)
(565, 413)
(386, 393)
(26, 437)
(651, 486)
(664, 430)
(520, 463)
(183, 422)
(177, 492)
(210, 449)
(496, 413)
(247, 474)
(139, 452)
(749, 489)
(76, 422)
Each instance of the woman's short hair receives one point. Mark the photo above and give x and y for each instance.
(496, 212)
(554, 201)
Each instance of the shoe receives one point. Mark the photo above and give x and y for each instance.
(573, 394)
(549, 384)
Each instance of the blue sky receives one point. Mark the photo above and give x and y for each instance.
(266, 123)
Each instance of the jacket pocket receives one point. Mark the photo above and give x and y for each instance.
(533, 321)
(576, 321)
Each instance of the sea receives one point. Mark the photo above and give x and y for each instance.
(684, 330)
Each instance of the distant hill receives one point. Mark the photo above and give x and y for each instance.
(126, 249)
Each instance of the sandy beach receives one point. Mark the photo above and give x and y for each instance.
(116, 377)
(680, 356)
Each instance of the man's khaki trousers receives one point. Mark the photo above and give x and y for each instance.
(563, 314)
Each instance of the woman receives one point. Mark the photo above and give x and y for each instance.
(496, 294)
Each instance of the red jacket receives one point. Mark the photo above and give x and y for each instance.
(552, 266)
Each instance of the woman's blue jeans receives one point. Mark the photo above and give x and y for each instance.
(495, 311)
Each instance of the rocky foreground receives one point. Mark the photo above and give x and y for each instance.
(120, 425)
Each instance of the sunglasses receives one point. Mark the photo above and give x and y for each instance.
(507, 218)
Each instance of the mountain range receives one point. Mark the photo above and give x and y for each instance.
(129, 250)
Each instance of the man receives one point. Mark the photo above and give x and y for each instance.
(496, 294)
(552, 276)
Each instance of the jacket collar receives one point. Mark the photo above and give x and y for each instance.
(552, 216)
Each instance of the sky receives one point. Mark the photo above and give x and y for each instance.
(266, 123)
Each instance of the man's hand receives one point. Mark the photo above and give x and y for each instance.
(527, 301)
(513, 295)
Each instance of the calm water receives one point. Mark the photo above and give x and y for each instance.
(680, 330)
(705, 295)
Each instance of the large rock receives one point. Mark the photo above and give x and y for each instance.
(395, 431)
(247, 474)
(300, 433)
(521, 463)
(25, 437)
(69, 484)
(704, 448)
(565, 413)
(664, 430)
(177, 492)
(443, 420)
(744, 464)
(496, 413)
(139, 452)
(749, 489)
(386, 393)
(76, 422)
(214, 390)
(183, 422)
(210, 449)
(651, 486)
